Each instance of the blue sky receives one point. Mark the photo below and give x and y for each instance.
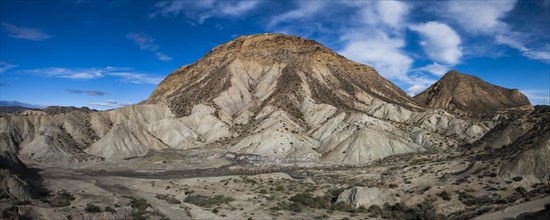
(106, 54)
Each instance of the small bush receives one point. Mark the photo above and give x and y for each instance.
(517, 178)
(109, 209)
(444, 195)
(342, 206)
(139, 206)
(62, 199)
(280, 188)
(295, 207)
(169, 198)
(92, 208)
(306, 199)
(375, 210)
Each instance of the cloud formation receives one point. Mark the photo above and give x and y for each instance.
(25, 33)
(5, 66)
(199, 11)
(441, 42)
(109, 104)
(486, 18)
(479, 16)
(127, 74)
(435, 69)
(87, 92)
(147, 43)
(538, 96)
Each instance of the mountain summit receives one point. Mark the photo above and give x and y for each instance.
(464, 94)
(249, 72)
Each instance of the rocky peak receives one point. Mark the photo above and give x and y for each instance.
(469, 95)
(274, 69)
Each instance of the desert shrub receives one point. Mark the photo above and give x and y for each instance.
(477, 201)
(280, 188)
(10, 213)
(92, 208)
(444, 195)
(263, 191)
(295, 207)
(517, 178)
(424, 210)
(109, 209)
(169, 198)
(62, 199)
(139, 204)
(521, 191)
(342, 206)
(375, 210)
(206, 201)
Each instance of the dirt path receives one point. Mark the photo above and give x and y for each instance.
(513, 211)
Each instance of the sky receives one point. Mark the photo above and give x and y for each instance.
(108, 54)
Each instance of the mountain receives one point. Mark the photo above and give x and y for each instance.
(20, 104)
(468, 95)
(271, 95)
(272, 69)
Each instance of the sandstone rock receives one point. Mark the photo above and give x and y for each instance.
(366, 197)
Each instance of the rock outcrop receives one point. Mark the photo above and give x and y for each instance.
(366, 197)
(468, 95)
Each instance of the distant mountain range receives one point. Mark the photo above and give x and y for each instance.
(20, 104)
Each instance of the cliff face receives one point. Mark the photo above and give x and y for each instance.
(468, 95)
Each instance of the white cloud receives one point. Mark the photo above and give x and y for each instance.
(109, 104)
(238, 8)
(87, 92)
(163, 57)
(419, 84)
(147, 43)
(485, 17)
(305, 9)
(144, 41)
(25, 33)
(201, 10)
(378, 50)
(440, 42)
(435, 69)
(379, 39)
(538, 96)
(5, 66)
(126, 74)
(543, 54)
(480, 16)
(392, 12)
(137, 78)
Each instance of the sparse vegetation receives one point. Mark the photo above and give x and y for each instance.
(169, 198)
(206, 201)
(62, 199)
(92, 208)
(109, 209)
(139, 206)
